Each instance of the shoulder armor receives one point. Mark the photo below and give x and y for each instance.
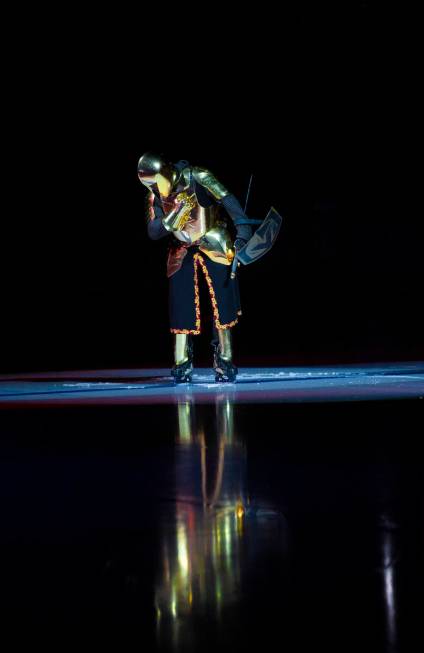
(186, 174)
(206, 179)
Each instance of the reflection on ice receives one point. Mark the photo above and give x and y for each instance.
(206, 547)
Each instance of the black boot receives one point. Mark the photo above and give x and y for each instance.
(183, 373)
(225, 370)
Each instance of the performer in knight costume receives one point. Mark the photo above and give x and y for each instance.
(185, 202)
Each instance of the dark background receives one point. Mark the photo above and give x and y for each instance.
(318, 105)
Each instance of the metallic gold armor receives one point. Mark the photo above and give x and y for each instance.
(225, 347)
(184, 216)
(192, 223)
(177, 219)
(181, 346)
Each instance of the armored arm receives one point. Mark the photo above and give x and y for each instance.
(176, 219)
(160, 224)
(230, 203)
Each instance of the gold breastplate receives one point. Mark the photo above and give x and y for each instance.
(204, 228)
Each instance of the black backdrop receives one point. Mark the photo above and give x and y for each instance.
(313, 108)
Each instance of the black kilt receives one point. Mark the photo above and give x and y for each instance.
(184, 298)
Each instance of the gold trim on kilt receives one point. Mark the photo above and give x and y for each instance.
(197, 258)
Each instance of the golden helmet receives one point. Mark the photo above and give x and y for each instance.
(154, 169)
